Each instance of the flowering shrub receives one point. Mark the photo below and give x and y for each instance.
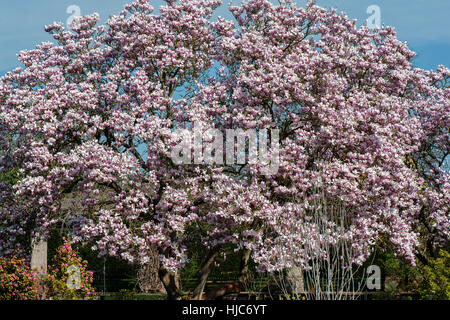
(63, 282)
(17, 281)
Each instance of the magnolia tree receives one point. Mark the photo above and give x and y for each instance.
(100, 111)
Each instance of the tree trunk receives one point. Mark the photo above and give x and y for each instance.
(171, 284)
(204, 273)
(243, 267)
(39, 263)
(236, 286)
(39, 257)
(148, 277)
(297, 284)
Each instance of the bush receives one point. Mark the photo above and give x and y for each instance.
(17, 281)
(125, 294)
(63, 282)
(436, 281)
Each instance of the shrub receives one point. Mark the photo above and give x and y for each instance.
(436, 281)
(125, 294)
(63, 282)
(17, 281)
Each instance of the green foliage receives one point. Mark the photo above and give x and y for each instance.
(400, 275)
(125, 294)
(10, 177)
(431, 281)
(63, 272)
(399, 279)
(119, 273)
(226, 266)
(436, 278)
(17, 281)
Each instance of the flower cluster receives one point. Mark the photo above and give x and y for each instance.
(17, 280)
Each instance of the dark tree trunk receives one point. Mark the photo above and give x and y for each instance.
(204, 272)
(236, 286)
(243, 267)
(422, 258)
(171, 284)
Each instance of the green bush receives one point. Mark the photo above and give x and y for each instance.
(436, 278)
(125, 294)
(17, 281)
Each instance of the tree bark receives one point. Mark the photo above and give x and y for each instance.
(171, 284)
(243, 267)
(422, 258)
(204, 272)
(39, 257)
(296, 280)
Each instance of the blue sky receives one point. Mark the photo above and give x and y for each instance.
(424, 24)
